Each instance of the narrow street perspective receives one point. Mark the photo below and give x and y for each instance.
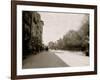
(56, 58)
(44, 59)
(52, 39)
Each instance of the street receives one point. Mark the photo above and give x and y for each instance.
(55, 58)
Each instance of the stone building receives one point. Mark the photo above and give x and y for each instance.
(32, 32)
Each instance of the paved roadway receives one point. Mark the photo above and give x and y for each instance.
(56, 58)
(44, 59)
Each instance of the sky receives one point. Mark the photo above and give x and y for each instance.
(58, 24)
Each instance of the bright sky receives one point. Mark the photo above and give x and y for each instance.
(58, 24)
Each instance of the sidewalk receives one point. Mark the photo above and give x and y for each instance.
(73, 59)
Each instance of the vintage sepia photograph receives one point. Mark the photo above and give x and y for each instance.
(52, 39)
(55, 39)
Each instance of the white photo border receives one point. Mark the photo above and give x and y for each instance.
(21, 71)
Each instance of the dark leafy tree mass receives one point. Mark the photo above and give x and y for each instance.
(32, 32)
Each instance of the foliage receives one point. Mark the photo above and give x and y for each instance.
(74, 40)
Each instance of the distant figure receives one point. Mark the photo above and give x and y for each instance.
(46, 48)
(87, 52)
